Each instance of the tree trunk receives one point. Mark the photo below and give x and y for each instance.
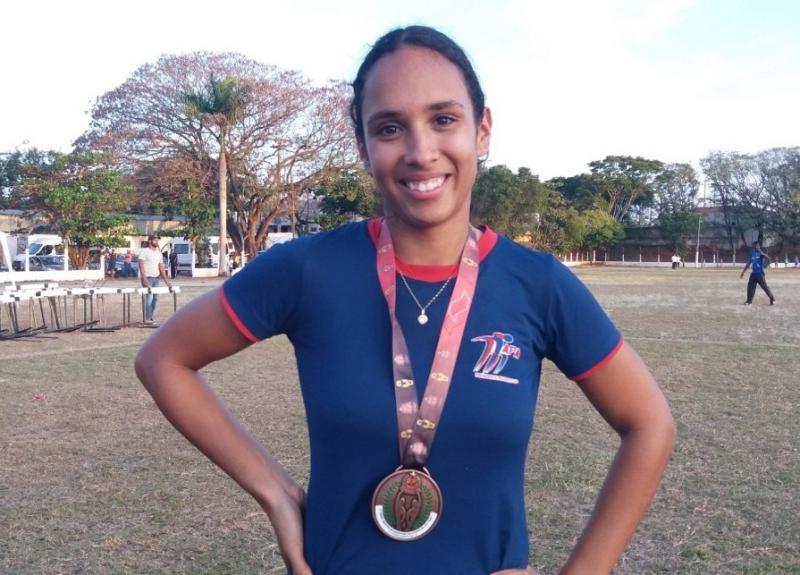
(223, 207)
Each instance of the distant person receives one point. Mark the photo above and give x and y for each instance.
(796, 261)
(127, 264)
(757, 276)
(173, 263)
(151, 272)
(676, 261)
(112, 263)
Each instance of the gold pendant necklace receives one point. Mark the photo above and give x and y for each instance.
(422, 318)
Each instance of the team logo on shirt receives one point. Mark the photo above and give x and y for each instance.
(497, 350)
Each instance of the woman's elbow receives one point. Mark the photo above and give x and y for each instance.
(145, 366)
(663, 432)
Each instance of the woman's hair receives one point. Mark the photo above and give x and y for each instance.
(424, 37)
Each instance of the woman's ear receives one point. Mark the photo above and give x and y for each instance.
(484, 135)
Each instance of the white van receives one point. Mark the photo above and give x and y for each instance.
(44, 247)
(183, 249)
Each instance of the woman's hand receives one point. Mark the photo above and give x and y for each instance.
(526, 571)
(286, 516)
(169, 365)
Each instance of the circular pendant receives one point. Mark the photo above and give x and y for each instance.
(407, 504)
(422, 318)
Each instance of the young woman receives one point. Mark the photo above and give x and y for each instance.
(419, 341)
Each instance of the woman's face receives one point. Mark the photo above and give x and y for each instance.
(421, 144)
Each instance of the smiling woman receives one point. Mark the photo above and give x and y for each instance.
(420, 388)
(421, 142)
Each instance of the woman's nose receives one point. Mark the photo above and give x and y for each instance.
(421, 147)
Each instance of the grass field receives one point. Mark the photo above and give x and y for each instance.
(94, 480)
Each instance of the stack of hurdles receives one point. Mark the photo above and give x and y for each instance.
(48, 310)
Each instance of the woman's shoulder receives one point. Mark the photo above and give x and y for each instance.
(317, 247)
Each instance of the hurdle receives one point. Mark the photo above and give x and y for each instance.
(160, 290)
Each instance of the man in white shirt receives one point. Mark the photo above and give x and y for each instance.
(151, 272)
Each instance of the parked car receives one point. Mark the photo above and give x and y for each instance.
(51, 262)
(119, 266)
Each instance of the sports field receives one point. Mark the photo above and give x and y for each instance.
(94, 480)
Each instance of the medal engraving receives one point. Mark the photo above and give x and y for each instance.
(407, 505)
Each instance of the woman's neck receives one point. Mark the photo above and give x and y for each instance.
(435, 246)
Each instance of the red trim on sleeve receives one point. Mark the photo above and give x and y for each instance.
(234, 318)
(428, 273)
(600, 364)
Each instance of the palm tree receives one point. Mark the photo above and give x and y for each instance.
(221, 105)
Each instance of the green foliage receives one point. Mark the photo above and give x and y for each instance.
(82, 199)
(679, 228)
(625, 184)
(506, 201)
(345, 196)
(601, 229)
(200, 214)
(13, 167)
(581, 191)
(203, 253)
(676, 189)
(222, 102)
(759, 192)
(559, 227)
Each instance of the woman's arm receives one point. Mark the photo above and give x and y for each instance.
(626, 395)
(168, 365)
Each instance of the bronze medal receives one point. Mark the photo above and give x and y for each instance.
(407, 504)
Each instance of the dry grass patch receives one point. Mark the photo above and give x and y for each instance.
(93, 479)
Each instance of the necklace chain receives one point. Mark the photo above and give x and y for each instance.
(423, 317)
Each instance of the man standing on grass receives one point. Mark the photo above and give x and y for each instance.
(756, 263)
(151, 272)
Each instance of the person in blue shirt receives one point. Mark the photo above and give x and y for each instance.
(757, 276)
(421, 126)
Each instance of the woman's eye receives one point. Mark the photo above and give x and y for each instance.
(444, 120)
(388, 130)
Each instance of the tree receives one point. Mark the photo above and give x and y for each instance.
(12, 172)
(220, 106)
(719, 169)
(601, 229)
(676, 188)
(626, 184)
(739, 191)
(559, 228)
(345, 196)
(496, 199)
(288, 135)
(506, 201)
(81, 198)
(582, 191)
(778, 171)
(678, 228)
(676, 193)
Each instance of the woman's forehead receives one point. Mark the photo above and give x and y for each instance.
(413, 75)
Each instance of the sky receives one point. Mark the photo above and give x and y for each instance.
(568, 82)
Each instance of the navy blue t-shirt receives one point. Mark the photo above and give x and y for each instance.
(323, 293)
(756, 262)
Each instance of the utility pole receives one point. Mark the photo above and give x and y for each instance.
(697, 248)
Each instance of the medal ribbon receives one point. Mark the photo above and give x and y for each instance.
(417, 424)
